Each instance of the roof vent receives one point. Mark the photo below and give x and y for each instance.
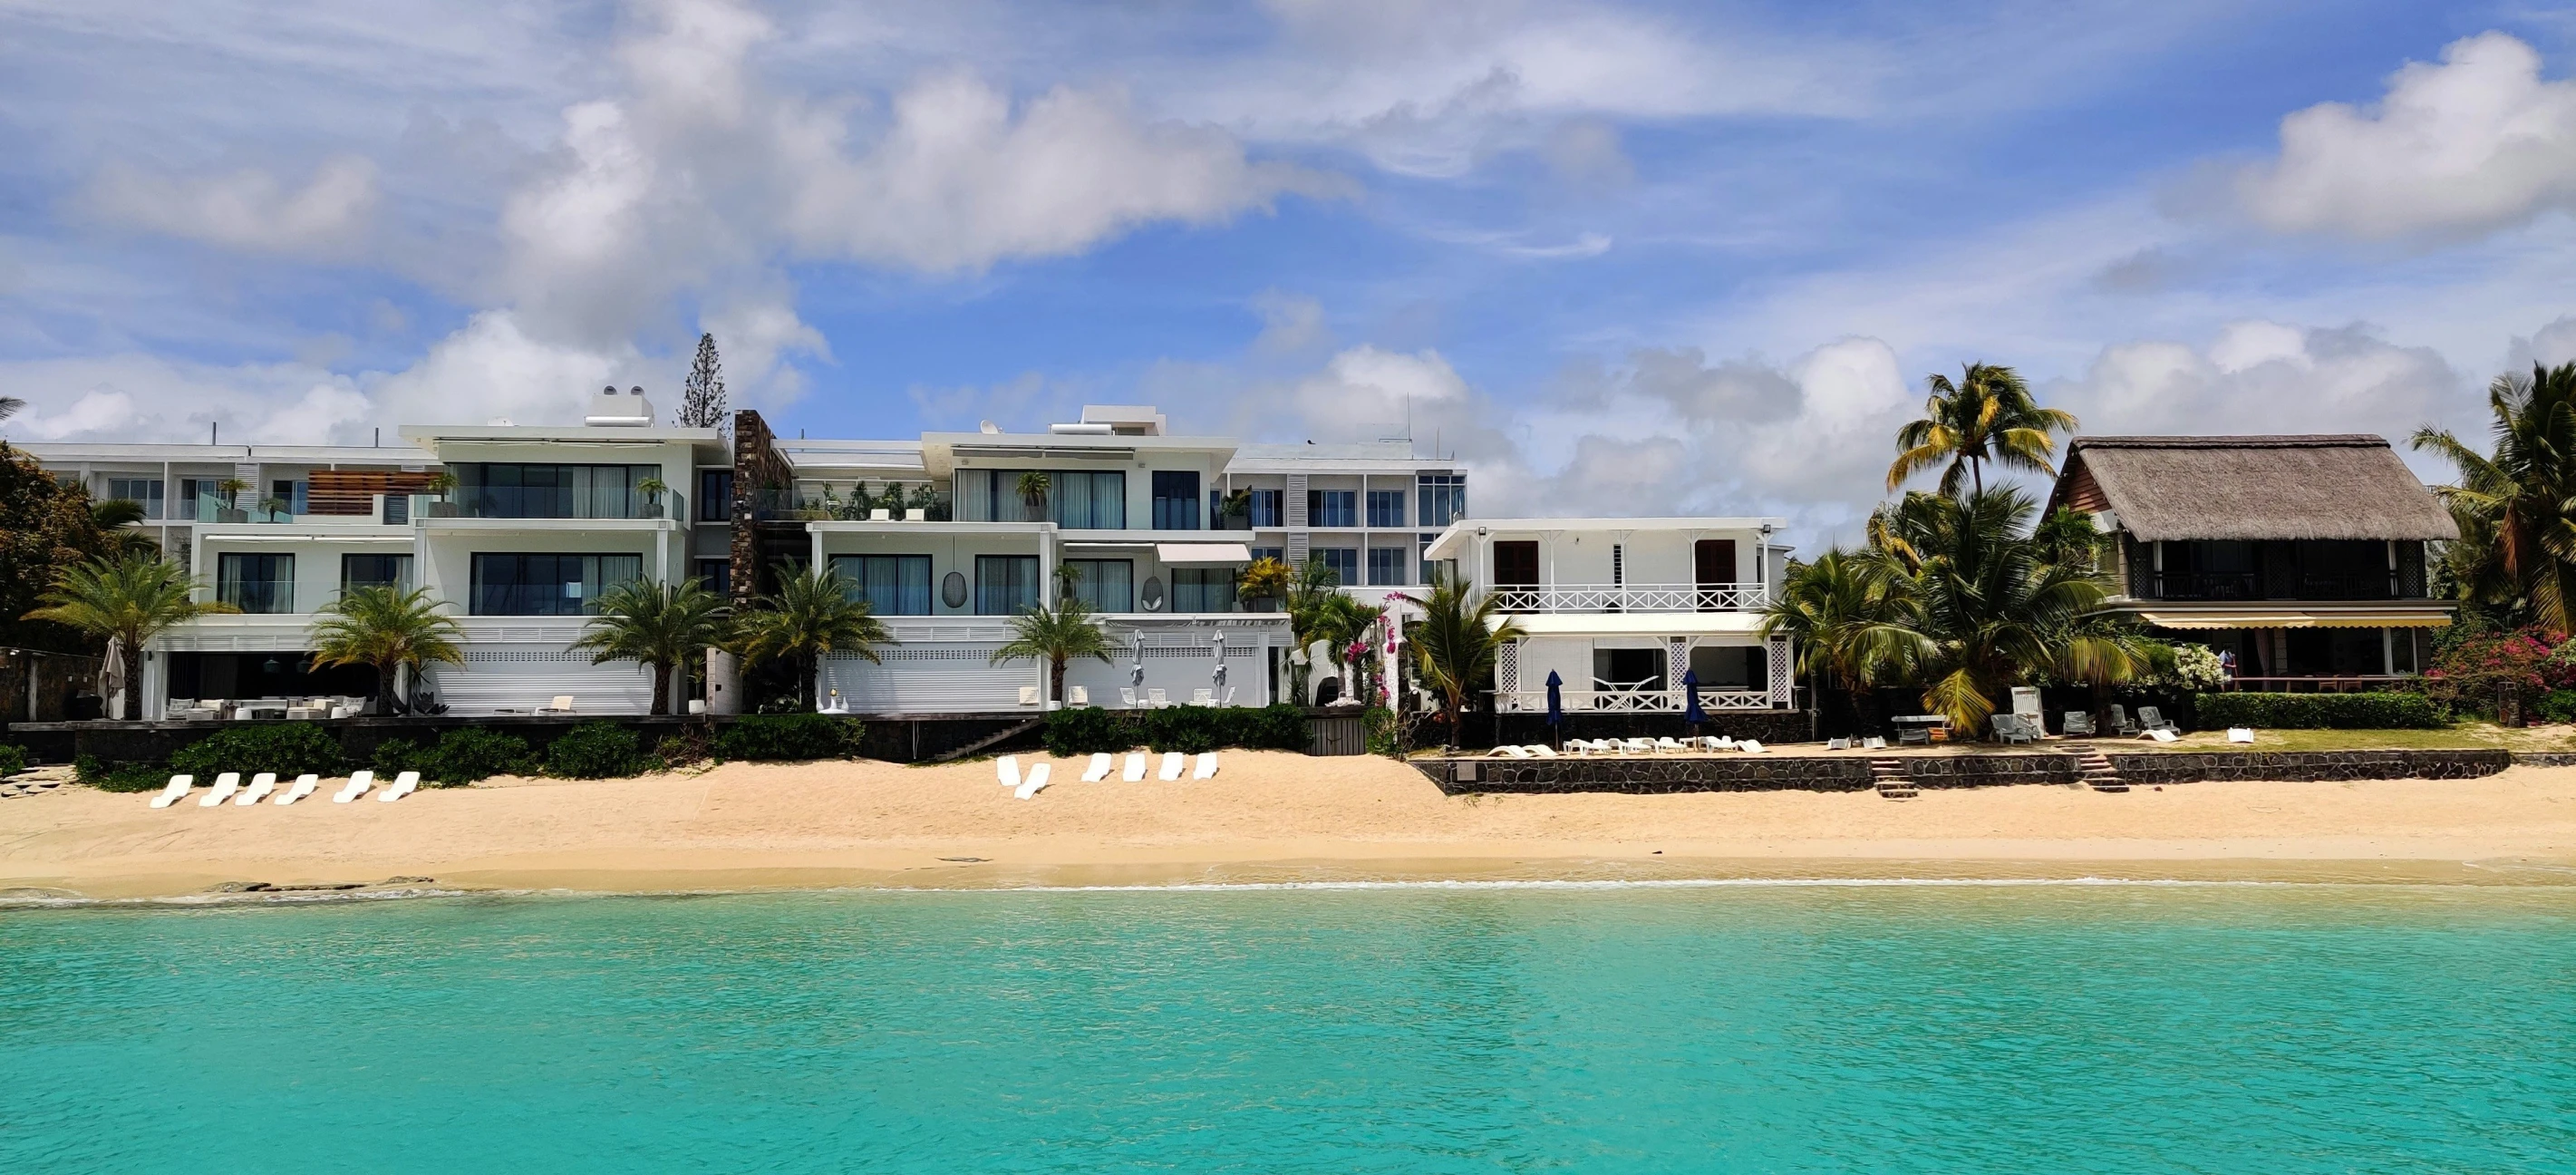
(611, 410)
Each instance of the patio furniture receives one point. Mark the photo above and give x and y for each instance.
(1873, 743)
(2078, 723)
(1099, 768)
(1127, 697)
(1206, 766)
(174, 791)
(1837, 744)
(561, 705)
(404, 784)
(2149, 718)
(1157, 698)
(304, 785)
(2120, 724)
(359, 782)
(2015, 728)
(1172, 763)
(1915, 729)
(225, 785)
(1028, 695)
(2240, 734)
(1077, 695)
(1007, 769)
(1036, 781)
(1202, 697)
(260, 785)
(1135, 769)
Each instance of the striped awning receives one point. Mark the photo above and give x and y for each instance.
(2301, 618)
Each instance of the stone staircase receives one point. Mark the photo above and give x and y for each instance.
(2095, 769)
(1892, 781)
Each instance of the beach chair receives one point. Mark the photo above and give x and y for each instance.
(561, 705)
(404, 784)
(1874, 743)
(1135, 769)
(2120, 724)
(1205, 767)
(1202, 697)
(225, 785)
(304, 785)
(2163, 735)
(1723, 742)
(1007, 769)
(174, 791)
(2078, 724)
(2013, 728)
(1036, 781)
(1751, 747)
(1173, 761)
(1837, 744)
(1228, 700)
(1076, 695)
(1541, 750)
(2240, 734)
(2150, 718)
(1638, 746)
(260, 785)
(1126, 697)
(1155, 698)
(1028, 695)
(1507, 751)
(1099, 769)
(359, 782)
(1668, 745)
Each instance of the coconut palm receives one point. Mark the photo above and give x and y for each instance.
(1342, 622)
(2516, 507)
(663, 626)
(1988, 415)
(1055, 637)
(1846, 614)
(388, 630)
(812, 616)
(128, 600)
(116, 519)
(1309, 589)
(1455, 644)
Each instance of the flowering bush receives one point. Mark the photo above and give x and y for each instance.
(2498, 674)
(2183, 668)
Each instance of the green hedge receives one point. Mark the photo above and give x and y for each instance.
(287, 748)
(789, 737)
(12, 760)
(2384, 710)
(123, 776)
(461, 756)
(1188, 729)
(597, 750)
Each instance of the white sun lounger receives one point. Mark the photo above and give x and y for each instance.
(1007, 769)
(1874, 743)
(359, 782)
(260, 785)
(2162, 735)
(404, 784)
(225, 785)
(1640, 746)
(1036, 781)
(1135, 769)
(1540, 750)
(2240, 734)
(1669, 743)
(1206, 767)
(1099, 769)
(174, 791)
(1837, 744)
(1172, 762)
(304, 785)
(1507, 751)
(1158, 698)
(1750, 747)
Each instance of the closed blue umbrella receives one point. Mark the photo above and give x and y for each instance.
(1555, 699)
(1691, 713)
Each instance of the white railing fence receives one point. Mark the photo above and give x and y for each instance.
(1632, 597)
(1633, 701)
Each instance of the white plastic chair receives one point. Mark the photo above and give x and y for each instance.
(174, 791)
(1075, 695)
(1028, 695)
(1036, 781)
(1007, 769)
(1127, 697)
(260, 785)
(561, 705)
(1099, 769)
(1172, 762)
(359, 782)
(1135, 769)
(1751, 747)
(1156, 697)
(1202, 697)
(1206, 767)
(304, 785)
(1874, 743)
(1541, 750)
(225, 785)
(404, 784)
(2240, 734)
(1837, 744)
(1507, 751)
(1229, 697)
(1668, 744)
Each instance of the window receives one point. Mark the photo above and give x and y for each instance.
(142, 491)
(292, 498)
(1332, 508)
(1386, 508)
(1266, 508)
(393, 571)
(1202, 589)
(262, 584)
(546, 585)
(1176, 500)
(1089, 500)
(1344, 562)
(716, 575)
(1386, 566)
(1443, 498)
(1430, 567)
(494, 490)
(1261, 553)
(715, 495)
(1005, 585)
(893, 585)
(1103, 585)
(1516, 563)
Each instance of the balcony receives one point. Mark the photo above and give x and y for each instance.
(1632, 597)
(2247, 585)
(1613, 698)
(618, 505)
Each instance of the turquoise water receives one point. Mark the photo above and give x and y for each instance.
(1742, 1028)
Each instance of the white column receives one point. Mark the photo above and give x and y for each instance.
(1046, 568)
(662, 555)
(815, 529)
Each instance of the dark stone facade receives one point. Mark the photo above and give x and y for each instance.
(1647, 775)
(2172, 767)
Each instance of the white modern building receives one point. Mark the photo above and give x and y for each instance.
(1623, 610)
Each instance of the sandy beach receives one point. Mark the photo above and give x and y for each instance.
(1269, 817)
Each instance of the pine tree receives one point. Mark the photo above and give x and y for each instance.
(702, 399)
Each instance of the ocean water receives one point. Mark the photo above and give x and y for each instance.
(1933, 1028)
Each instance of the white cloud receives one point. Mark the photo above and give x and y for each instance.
(248, 209)
(2475, 143)
(2264, 377)
(137, 397)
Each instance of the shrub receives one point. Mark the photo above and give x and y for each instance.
(1187, 729)
(788, 737)
(1085, 730)
(2387, 710)
(12, 760)
(680, 750)
(2500, 674)
(471, 754)
(287, 748)
(121, 776)
(2558, 705)
(397, 755)
(597, 750)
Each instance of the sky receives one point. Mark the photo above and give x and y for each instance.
(1615, 259)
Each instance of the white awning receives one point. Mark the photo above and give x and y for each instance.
(1202, 554)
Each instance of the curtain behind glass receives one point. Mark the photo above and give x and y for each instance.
(1105, 585)
(893, 585)
(1005, 585)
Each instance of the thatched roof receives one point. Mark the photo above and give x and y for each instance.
(2165, 489)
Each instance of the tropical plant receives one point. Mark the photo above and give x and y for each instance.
(1055, 637)
(665, 627)
(1455, 644)
(812, 615)
(117, 520)
(1235, 505)
(231, 488)
(2516, 507)
(1846, 616)
(127, 600)
(388, 630)
(1266, 578)
(1988, 415)
(1309, 589)
(1033, 487)
(1342, 623)
(10, 406)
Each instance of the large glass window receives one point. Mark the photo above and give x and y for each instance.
(1386, 508)
(1332, 508)
(1442, 496)
(291, 498)
(547, 585)
(1267, 509)
(716, 575)
(143, 491)
(1278, 553)
(1103, 585)
(496, 490)
(1344, 562)
(256, 583)
(1090, 500)
(393, 571)
(1176, 500)
(1202, 589)
(1386, 566)
(715, 495)
(893, 585)
(1005, 585)
(1430, 567)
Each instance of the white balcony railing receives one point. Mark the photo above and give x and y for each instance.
(1632, 597)
(1634, 701)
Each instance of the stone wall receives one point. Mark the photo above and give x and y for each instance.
(2176, 767)
(1690, 773)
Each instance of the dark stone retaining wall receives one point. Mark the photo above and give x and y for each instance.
(1679, 773)
(2177, 767)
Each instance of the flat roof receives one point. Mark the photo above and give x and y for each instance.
(95, 451)
(1456, 535)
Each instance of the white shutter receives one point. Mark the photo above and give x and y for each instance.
(524, 678)
(1295, 510)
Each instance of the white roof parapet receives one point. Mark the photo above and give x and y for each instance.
(1452, 541)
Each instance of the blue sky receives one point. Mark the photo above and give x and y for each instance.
(1620, 258)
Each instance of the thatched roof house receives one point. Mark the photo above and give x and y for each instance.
(2171, 489)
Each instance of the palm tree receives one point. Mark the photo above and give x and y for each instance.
(1455, 644)
(1055, 638)
(1341, 622)
(2516, 508)
(1309, 589)
(1033, 487)
(387, 630)
(10, 406)
(663, 626)
(1987, 416)
(127, 600)
(1846, 614)
(813, 616)
(114, 518)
